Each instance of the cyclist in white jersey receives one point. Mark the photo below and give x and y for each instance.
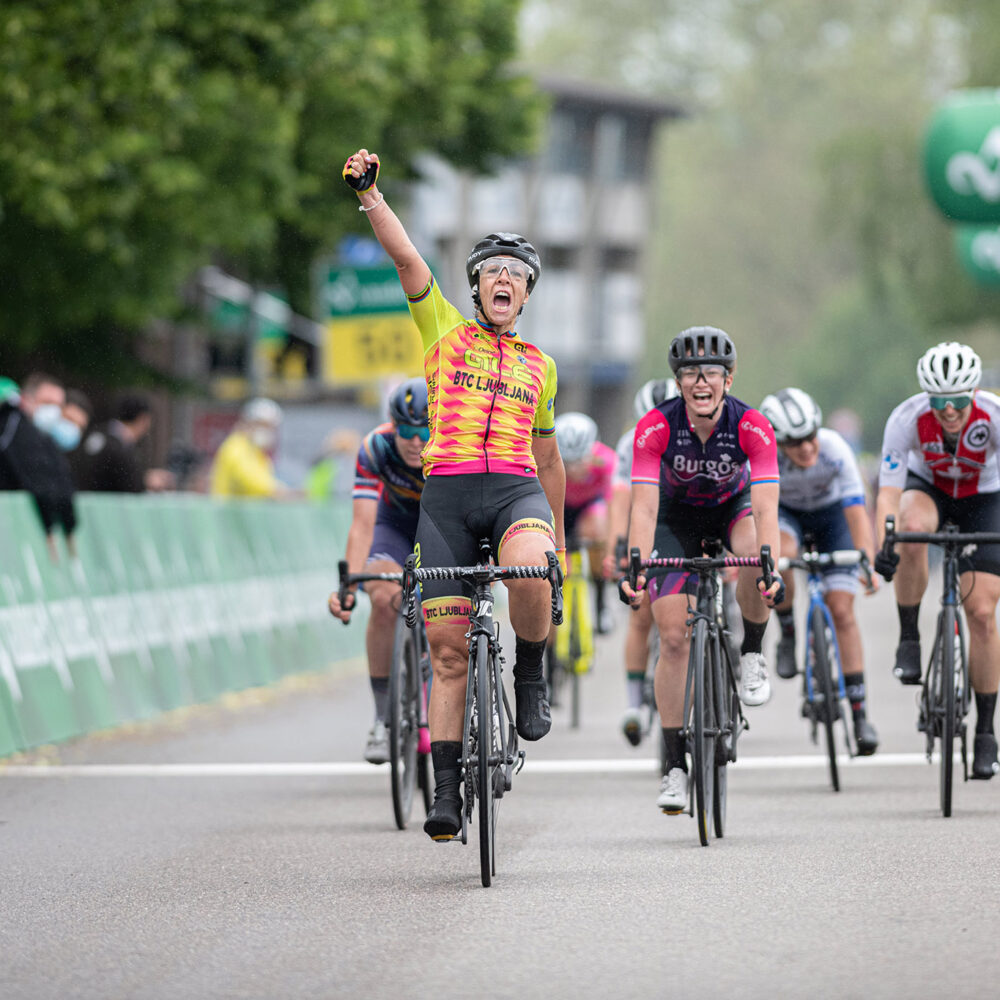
(940, 463)
(823, 497)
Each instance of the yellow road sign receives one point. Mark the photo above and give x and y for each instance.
(359, 348)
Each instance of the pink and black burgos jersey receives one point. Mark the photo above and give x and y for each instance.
(668, 453)
(914, 441)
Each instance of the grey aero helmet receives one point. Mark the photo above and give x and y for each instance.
(654, 392)
(949, 368)
(702, 345)
(792, 413)
(575, 434)
(408, 403)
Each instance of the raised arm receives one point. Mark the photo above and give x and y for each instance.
(414, 274)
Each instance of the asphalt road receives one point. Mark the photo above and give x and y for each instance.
(244, 850)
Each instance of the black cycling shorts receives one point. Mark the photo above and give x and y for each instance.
(456, 512)
(976, 513)
(680, 530)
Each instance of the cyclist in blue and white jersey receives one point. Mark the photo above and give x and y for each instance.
(822, 495)
(388, 483)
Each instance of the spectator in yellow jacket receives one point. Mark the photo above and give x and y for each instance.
(243, 466)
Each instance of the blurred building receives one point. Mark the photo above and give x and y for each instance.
(586, 201)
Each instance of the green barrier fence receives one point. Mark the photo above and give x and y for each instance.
(170, 600)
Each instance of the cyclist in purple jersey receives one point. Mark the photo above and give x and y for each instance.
(387, 486)
(715, 460)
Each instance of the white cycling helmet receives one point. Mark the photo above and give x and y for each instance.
(576, 434)
(262, 411)
(949, 368)
(654, 392)
(792, 413)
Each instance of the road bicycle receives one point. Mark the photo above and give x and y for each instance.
(826, 700)
(571, 653)
(409, 692)
(713, 716)
(945, 694)
(490, 754)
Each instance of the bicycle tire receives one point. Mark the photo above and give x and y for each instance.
(486, 755)
(702, 741)
(947, 706)
(725, 741)
(575, 651)
(404, 716)
(822, 684)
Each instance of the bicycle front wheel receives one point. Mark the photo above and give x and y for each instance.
(824, 701)
(488, 754)
(946, 704)
(700, 731)
(404, 721)
(727, 719)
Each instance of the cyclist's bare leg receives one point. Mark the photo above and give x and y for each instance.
(841, 605)
(640, 621)
(789, 550)
(917, 512)
(592, 530)
(670, 614)
(381, 632)
(530, 600)
(983, 590)
(450, 662)
(743, 542)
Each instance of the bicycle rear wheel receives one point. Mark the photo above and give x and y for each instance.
(404, 721)
(488, 759)
(822, 687)
(946, 704)
(700, 731)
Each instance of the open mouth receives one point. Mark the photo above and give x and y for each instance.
(702, 395)
(501, 301)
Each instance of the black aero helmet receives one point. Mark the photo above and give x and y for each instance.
(408, 403)
(503, 245)
(702, 345)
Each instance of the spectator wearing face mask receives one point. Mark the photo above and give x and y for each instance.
(243, 465)
(30, 458)
(108, 460)
(76, 416)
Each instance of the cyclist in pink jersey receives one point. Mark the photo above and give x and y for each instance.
(590, 467)
(941, 462)
(704, 466)
(492, 469)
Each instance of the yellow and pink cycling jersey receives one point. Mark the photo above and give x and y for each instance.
(487, 394)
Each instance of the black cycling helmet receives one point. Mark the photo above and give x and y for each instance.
(502, 245)
(702, 345)
(408, 403)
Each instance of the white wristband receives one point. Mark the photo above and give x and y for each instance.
(381, 198)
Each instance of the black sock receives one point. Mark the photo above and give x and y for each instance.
(753, 636)
(446, 756)
(599, 594)
(528, 659)
(674, 745)
(854, 684)
(786, 619)
(986, 706)
(908, 615)
(380, 692)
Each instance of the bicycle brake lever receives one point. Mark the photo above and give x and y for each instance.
(409, 591)
(555, 582)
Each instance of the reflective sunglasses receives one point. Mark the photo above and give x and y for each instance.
(517, 269)
(795, 442)
(408, 431)
(712, 373)
(941, 402)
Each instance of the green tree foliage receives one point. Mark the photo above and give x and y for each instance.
(143, 138)
(794, 212)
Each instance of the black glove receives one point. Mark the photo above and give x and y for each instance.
(779, 597)
(366, 180)
(886, 563)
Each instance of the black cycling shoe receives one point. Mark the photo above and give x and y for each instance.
(865, 737)
(444, 819)
(534, 719)
(907, 668)
(984, 761)
(784, 657)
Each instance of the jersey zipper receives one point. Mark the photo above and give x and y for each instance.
(493, 402)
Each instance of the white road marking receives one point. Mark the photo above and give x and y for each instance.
(351, 769)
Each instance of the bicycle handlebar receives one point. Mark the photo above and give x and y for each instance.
(702, 564)
(846, 558)
(948, 536)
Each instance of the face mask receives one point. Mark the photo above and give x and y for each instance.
(66, 434)
(47, 416)
(263, 437)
